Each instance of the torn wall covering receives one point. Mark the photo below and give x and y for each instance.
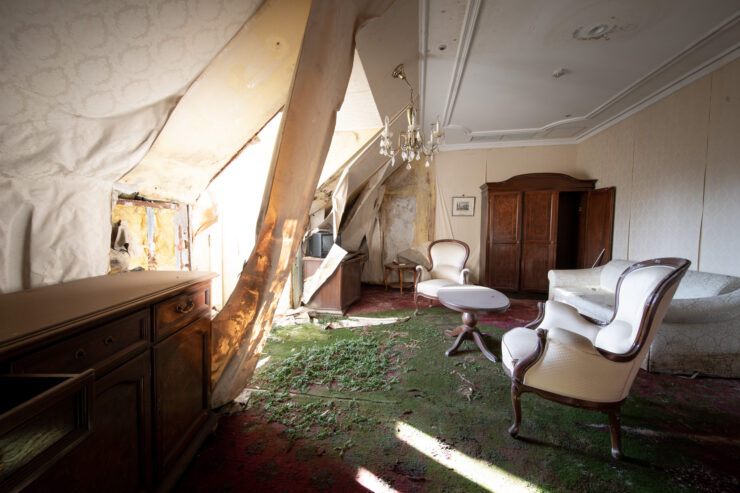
(237, 94)
(319, 85)
(84, 89)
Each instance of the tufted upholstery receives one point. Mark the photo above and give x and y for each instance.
(592, 364)
(447, 259)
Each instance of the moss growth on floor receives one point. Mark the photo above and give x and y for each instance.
(347, 390)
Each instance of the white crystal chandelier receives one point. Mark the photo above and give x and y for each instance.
(411, 143)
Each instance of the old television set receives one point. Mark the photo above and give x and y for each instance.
(320, 243)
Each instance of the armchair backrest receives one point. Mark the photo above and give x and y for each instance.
(643, 293)
(448, 258)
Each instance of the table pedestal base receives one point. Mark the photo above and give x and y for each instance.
(469, 331)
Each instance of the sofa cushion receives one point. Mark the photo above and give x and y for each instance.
(595, 303)
(703, 285)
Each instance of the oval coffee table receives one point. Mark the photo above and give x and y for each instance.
(472, 301)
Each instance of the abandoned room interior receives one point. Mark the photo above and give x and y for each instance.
(369, 245)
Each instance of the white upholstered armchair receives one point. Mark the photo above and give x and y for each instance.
(579, 362)
(447, 259)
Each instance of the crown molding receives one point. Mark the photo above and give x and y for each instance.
(508, 143)
(481, 137)
(665, 91)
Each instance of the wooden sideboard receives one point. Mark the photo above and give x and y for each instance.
(339, 291)
(143, 339)
(536, 222)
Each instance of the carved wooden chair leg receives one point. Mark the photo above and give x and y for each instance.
(416, 302)
(615, 431)
(516, 403)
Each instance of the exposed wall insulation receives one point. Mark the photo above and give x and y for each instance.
(319, 85)
(240, 90)
(157, 234)
(134, 219)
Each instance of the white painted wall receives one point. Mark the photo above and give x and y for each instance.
(675, 164)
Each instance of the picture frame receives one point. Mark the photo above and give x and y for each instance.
(463, 206)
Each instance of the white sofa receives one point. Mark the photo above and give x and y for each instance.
(700, 331)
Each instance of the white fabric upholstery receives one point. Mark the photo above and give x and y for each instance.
(448, 259)
(571, 364)
(700, 329)
(432, 286)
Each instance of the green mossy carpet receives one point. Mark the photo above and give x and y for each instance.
(386, 400)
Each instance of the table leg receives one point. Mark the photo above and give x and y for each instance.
(455, 332)
(469, 331)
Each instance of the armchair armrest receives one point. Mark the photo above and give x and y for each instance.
(557, 314)
(465, 276)
(421, 274)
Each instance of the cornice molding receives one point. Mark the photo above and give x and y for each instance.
(480, 139)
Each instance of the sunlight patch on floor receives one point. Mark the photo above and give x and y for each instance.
(372, 482)
(480, 472)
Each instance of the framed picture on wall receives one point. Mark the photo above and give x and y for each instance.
(463, 206)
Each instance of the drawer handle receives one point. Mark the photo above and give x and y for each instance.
(80, 353)
(187, 308)
(108, 340)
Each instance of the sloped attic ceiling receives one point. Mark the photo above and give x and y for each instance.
(86, 86)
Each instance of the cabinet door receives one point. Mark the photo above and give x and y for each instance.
(504, 240)
(117, 455)
(181, 391)
(539, 233)
(598, 227)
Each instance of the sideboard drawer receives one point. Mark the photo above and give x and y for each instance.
(101, 348)
(42, 418)
(177, 312)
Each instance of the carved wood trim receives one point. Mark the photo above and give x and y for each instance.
(541, 181)
(447, 240)
(524, 364)
(651, 306)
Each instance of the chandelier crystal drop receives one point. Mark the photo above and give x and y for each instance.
(411, 142)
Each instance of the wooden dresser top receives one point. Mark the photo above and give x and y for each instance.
(41, 312)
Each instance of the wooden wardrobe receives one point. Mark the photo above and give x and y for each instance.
(540, 221)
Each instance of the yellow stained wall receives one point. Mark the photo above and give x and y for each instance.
(165, 235)
(407, 212)
(675, 165)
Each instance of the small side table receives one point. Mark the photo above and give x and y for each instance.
(471, 301)
(395, 266)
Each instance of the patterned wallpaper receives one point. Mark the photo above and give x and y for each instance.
(65, 64)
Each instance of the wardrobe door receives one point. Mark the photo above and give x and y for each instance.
(505, 246)
(539, 233)
(597, 228)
